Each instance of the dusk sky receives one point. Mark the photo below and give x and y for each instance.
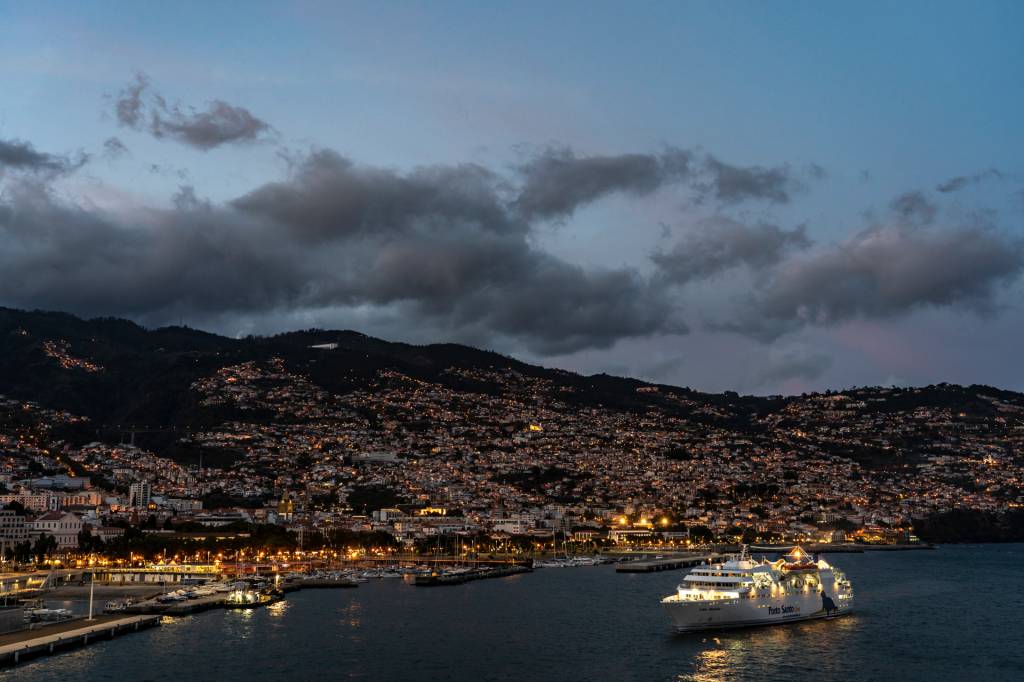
(762, 197)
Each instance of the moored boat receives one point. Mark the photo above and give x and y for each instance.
(247, 599)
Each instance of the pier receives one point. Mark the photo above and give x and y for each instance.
(319, 583)
(460, 578)
(666, 564)
(16, 647)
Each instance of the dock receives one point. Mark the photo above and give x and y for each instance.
(460, 578)
(16, 647)
(666, 564)
(321, 583)
(183, 608)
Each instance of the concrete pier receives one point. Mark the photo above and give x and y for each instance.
(16, 647)
(319, 583)
(666, 564)
(178, 608)
(459, 578)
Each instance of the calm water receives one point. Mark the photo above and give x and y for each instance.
(955, 613)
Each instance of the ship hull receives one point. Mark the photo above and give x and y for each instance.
(689, 616)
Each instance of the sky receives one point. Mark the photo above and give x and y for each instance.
(760, 197)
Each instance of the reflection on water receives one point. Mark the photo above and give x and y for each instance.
(351, 614)
(712, 665)
(586, 624)
(765, 652)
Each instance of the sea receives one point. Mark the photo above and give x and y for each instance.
(955, 613)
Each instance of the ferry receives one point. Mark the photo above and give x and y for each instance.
(742, 592)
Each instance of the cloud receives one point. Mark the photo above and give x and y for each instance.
(958, 183)
(721, 243)
(220, 123)
(913, 208)
(435, 246)
(557, 182)
(129, 106)
(453, 249)
(22, 156)
(113, 148)
(882, 272)
(330, 197)
(792, 362)
(732, 184)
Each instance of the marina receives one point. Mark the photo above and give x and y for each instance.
(41, 625)
(585, 624)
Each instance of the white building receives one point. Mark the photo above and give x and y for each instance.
(139, 495)
(63, 526)
(12, 529)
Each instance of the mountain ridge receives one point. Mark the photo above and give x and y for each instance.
(349, 340)
(124, 377)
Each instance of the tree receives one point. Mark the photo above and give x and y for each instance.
(701, 534)
(45, 544)
(87, 542)
(23, 551)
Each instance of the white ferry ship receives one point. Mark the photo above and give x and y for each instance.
(742, 592)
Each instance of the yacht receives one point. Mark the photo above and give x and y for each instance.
(742, 591)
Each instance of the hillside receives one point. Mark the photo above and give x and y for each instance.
(116, 372)
(123, 376)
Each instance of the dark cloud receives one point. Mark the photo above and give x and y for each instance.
(435, 244)
(22, 156)
(113, 148)
(221, 123)
(129, 105)
(660, 370)
(721, 243)
(883, 272)
(451, 249)
(732, 184)
(186, 199)
(330, 197)
(816, 171)
(557, 182)
(961, 181)
(913, 208)
(792, 362)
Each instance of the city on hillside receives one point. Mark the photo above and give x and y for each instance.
(410, 464)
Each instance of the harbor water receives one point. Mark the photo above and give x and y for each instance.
(953, 613)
